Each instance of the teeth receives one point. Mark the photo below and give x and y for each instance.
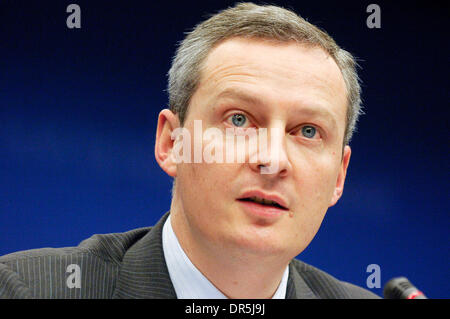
(263, 201)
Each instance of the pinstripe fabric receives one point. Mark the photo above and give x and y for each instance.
(131, 265)
(144, 272)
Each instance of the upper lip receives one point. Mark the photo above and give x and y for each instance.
(267, 196)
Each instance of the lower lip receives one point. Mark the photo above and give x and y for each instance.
(262, 211)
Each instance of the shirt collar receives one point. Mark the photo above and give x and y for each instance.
(187, 280)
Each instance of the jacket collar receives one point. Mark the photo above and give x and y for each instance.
(144, 273)
(297, 288)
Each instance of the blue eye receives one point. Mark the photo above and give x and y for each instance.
(238, 120)
(308, 131)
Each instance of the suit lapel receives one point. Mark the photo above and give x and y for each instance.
(296, 286)
(144, 272)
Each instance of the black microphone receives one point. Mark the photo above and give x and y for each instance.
(401, 288)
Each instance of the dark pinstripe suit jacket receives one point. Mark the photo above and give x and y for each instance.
(131, 265)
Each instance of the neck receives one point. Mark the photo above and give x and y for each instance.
(238, 274)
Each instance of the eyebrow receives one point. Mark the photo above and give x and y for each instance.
(313, 110)
(235, 93)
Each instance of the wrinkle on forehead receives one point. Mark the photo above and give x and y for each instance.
(238, 58)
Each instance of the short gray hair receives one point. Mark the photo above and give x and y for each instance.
(255, 21)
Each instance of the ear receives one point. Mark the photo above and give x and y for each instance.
(167, 122)
(339, 189)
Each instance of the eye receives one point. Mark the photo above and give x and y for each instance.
(309, 131)
(238, 119)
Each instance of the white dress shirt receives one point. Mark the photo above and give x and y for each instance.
(187, 280)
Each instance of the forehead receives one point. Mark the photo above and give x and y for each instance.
(287, 72)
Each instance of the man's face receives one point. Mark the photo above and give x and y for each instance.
(295, 89)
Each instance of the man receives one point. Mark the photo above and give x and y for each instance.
(234, 226)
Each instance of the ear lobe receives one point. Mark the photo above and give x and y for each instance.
(339, 189)
(167, 122)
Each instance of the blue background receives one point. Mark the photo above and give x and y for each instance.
(78, 112)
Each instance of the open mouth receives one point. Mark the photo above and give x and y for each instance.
(262, 201)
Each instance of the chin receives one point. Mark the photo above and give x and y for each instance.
(262, 242)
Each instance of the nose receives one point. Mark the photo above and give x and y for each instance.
(271, 158)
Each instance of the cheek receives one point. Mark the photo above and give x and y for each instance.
(207, 198)
(326, 182)
(203, 184)
(315, 180)
(314, 191)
